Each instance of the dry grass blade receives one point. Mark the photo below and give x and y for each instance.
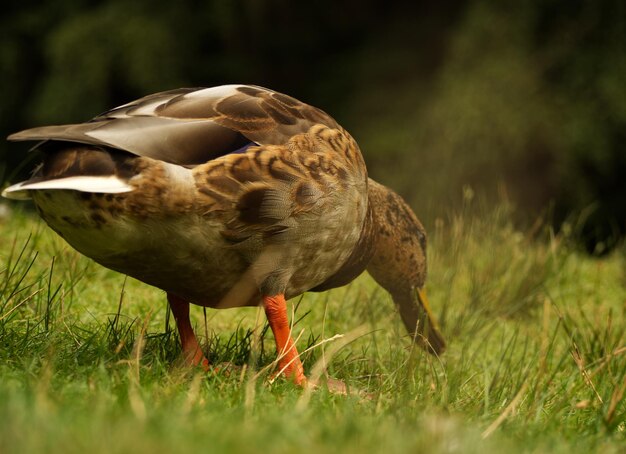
(616, 398)
(250, 388)
(583, 371)
(14, 308)
(507, 411)
(280, 356)
(134, 395)
(603, 362)
(321, 364)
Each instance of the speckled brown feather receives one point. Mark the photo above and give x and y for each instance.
(235, 191)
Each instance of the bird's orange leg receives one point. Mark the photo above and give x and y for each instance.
(192, 353)
(289, 360)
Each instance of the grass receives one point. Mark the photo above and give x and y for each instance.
(536, 359)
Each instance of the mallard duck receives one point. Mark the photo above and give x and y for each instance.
(229, 196)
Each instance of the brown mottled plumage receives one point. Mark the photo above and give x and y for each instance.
(225, 197)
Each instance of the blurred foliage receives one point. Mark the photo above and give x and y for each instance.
(522, 101)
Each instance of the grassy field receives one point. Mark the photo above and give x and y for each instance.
(536, 359)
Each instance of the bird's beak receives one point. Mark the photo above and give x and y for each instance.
(433, 335)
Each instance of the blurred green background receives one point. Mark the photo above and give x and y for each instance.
(523, 102)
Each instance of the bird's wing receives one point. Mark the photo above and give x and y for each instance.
(192, 126)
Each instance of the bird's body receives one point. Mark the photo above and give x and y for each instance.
(226, 197)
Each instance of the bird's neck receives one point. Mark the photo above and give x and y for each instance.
(391, 246)
(398, 260)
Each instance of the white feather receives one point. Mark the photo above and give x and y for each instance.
(214, 92)
(109, 185)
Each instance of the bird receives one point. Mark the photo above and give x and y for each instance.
(229, 196)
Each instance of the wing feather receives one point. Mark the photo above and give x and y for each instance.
(192, 126)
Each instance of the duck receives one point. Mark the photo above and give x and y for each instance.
(230, 196)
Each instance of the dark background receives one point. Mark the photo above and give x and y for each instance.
(523, 102)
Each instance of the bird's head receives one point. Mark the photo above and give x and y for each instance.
(399, 263)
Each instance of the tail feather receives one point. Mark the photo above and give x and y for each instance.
(76, 167)
(102, 184)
